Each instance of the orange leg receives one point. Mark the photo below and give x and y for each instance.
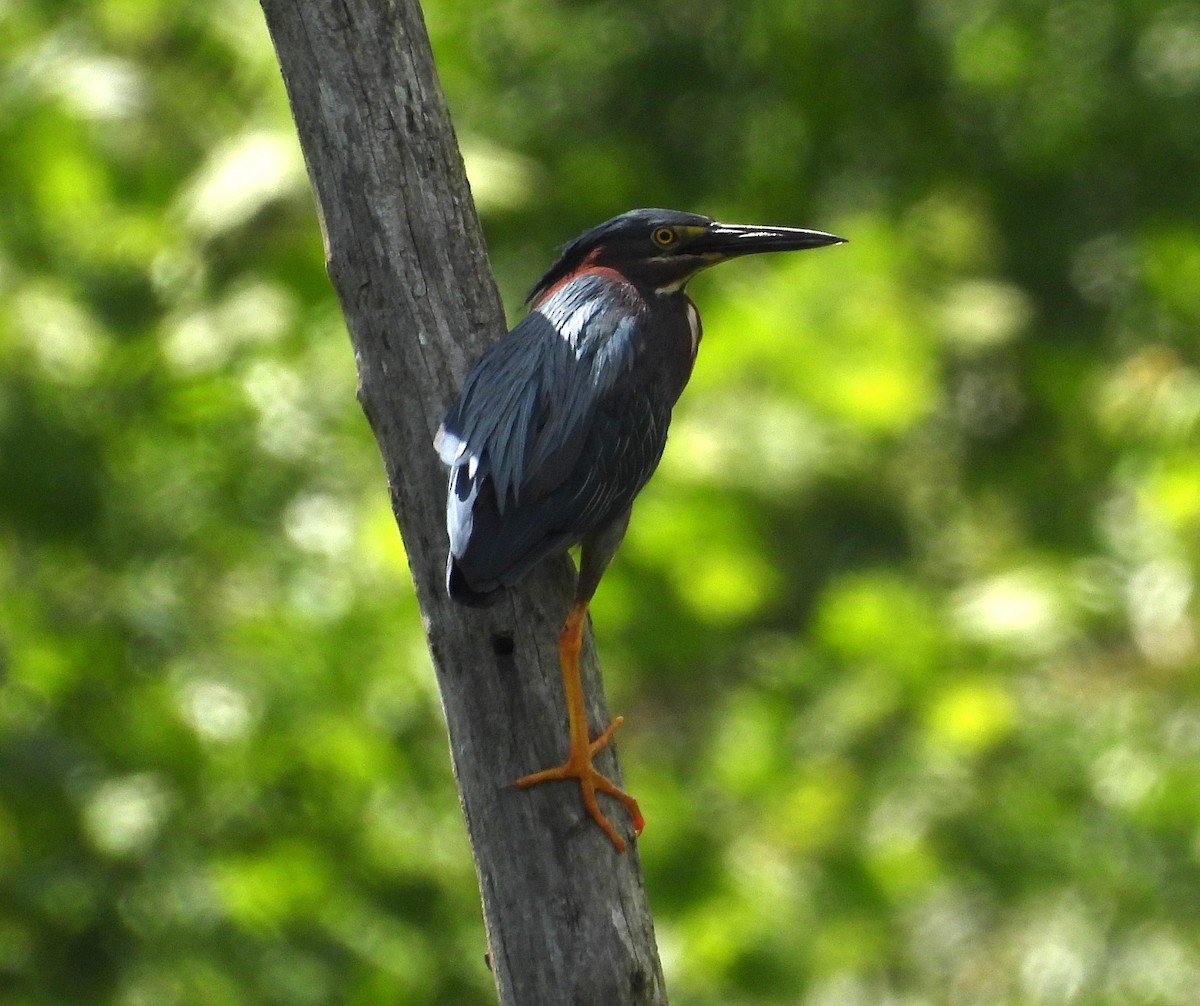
(578, 765)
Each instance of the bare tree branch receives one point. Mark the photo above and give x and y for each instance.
(566, 916)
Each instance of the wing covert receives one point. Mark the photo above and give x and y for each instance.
(538, 444)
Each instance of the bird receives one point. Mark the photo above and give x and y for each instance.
(561, 422)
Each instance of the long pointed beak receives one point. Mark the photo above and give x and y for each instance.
(728, 240)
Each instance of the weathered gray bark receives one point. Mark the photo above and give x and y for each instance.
(566, 916)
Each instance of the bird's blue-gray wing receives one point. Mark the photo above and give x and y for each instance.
(546, 442)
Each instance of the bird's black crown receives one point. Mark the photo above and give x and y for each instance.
(625, 239)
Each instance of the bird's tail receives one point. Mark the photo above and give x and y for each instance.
(462, 592)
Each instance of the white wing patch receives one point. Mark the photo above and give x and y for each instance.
(570, 322)
(449, 447)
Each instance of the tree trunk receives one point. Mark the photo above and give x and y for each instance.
(566, 915)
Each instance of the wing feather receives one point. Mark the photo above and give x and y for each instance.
(547, 442)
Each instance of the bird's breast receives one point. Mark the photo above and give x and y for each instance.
(694, 327)
(670, 336)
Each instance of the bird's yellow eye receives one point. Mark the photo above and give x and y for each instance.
(664, 237)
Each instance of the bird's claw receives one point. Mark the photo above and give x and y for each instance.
(580, 768)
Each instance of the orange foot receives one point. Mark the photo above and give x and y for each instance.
(579, 766)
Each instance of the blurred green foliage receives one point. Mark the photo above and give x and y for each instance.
(904, 629)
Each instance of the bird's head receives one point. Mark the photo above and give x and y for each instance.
(662, 249)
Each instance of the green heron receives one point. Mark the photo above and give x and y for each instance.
(561, 423)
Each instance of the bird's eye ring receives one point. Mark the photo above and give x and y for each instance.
(663, 237)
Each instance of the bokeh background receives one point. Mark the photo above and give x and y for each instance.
(904, 629)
